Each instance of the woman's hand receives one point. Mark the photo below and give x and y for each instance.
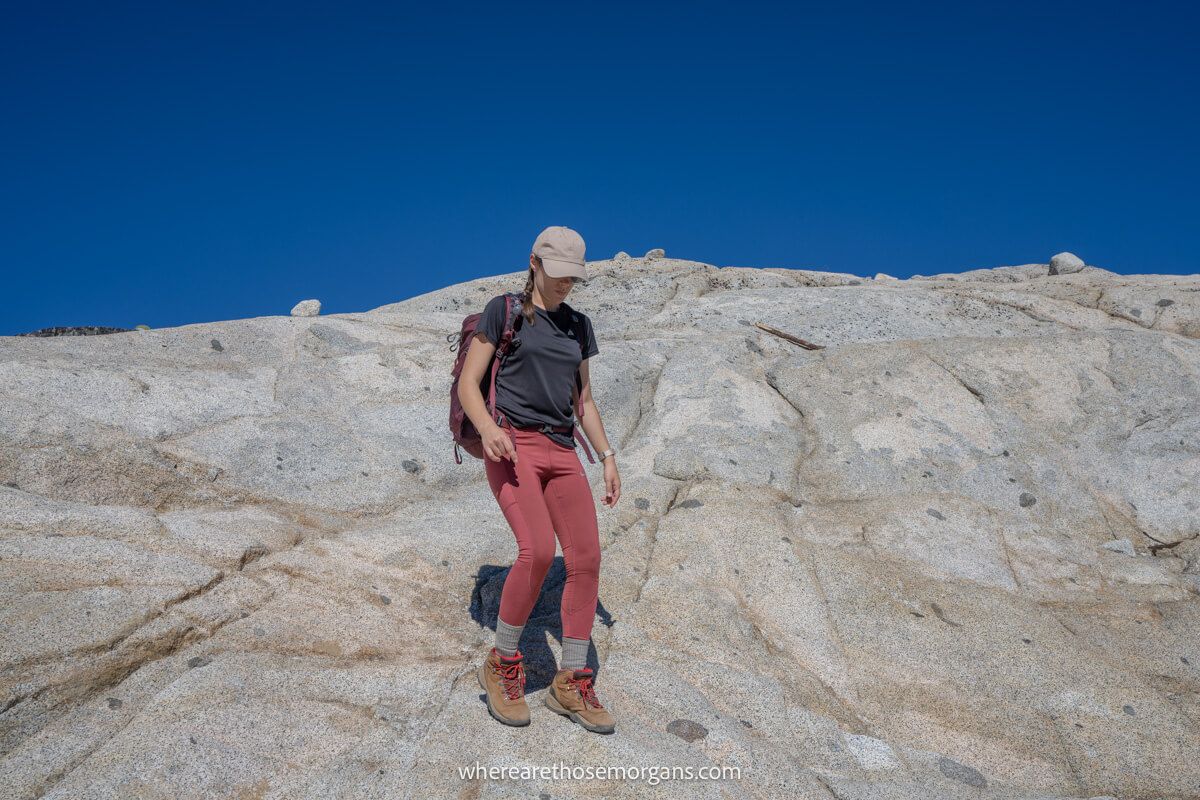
(498, 444)
(612, 482)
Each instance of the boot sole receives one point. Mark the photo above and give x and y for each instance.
(516, 723)
(553, 704)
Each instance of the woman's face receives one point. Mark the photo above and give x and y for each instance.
(553, 289)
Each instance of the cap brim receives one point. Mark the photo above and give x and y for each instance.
(564, 269)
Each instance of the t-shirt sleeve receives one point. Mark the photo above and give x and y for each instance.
(590, 347)
(491, 323)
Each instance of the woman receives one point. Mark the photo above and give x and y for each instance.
(537, 478)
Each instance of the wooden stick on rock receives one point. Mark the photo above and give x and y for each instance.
(789, 337)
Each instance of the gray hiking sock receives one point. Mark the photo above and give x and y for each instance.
(574, 653)
(507, 637)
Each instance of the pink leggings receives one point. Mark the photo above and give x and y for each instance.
(545, 492)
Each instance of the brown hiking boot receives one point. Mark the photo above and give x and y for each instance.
(571, 693)
(503, 678)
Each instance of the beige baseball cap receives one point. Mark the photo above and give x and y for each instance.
(561, 251)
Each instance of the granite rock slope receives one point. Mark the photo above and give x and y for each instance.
(953, 554)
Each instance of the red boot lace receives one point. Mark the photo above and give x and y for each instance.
(586, 691)
(512, 679)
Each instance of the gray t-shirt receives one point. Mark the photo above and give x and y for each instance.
(534, 383)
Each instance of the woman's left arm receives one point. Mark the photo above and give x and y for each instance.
(593, 426)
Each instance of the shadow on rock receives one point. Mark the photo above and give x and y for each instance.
(540, 659)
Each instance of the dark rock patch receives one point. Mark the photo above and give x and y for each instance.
(961, 772)
(687, 730)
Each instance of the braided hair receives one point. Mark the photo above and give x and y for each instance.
(527, 301)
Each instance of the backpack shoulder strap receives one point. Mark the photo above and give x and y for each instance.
(512, 310)
(512, 321)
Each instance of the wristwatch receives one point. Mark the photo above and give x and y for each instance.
(606, 454)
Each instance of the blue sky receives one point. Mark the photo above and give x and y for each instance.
(165, 164)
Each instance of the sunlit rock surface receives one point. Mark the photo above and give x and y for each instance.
(953, 554)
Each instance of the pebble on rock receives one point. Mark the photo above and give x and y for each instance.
(687, 730)
(307, 308)
(1065, 263)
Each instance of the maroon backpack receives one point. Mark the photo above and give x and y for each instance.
(461, 428)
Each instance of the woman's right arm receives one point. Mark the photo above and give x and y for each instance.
(496, 443)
